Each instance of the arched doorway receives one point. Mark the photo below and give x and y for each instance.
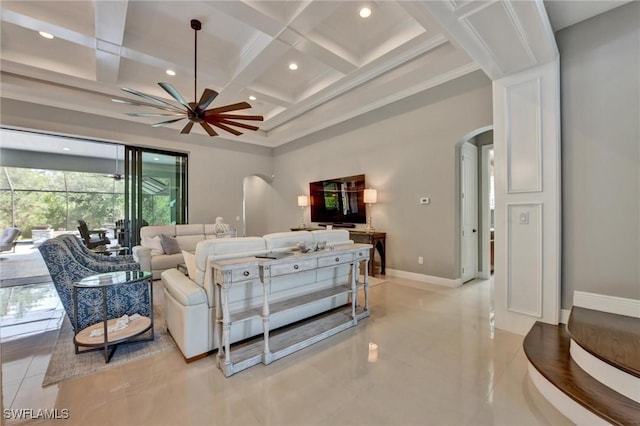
(257, 206)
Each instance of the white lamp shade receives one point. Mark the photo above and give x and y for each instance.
(370, 196)
(303, 201)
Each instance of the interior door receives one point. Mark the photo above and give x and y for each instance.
(469, 213)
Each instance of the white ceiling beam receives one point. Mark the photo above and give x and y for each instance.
(399, 56)
(110, 21)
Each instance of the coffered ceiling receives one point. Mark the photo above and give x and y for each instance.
(347, 65)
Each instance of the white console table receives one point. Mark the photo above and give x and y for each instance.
(279, 343)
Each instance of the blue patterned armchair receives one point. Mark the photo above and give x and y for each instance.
(65, 269)
(95, 261)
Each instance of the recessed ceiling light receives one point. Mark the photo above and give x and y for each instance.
(252, 98)
(293, 66)
(365, 12)
(171, 72)
(45, 35)
(66, 149)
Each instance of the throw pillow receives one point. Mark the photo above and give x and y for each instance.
(154, 244)
(169, 244)
(190, 261)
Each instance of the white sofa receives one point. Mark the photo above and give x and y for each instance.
(189, 301)
(187, 236)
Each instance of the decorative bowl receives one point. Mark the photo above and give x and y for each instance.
(307, 246)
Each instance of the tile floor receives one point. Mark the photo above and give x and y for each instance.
(428, 355)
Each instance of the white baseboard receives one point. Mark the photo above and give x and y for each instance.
(564, 316)
(446, 282)
(567, 406)
(604, 303)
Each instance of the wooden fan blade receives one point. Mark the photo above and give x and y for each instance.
(164, 123)
(232, 107)
(186, 129)
(144, 104)
(151, 114)
(234, 123)
(241, 117)
(149, 97)
(223, 127)
(176, 95)
(208, 129)
(207, 97)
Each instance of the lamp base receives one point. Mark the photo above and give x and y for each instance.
(369, 227)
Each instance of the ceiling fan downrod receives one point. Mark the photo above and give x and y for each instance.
(197, 26)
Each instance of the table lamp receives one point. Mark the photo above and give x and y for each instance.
(303, 202)
(370, 197)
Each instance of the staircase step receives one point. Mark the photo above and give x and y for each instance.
(547, 348)
(614, 339)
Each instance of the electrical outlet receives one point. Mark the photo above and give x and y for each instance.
(425, 200)
(420, 260)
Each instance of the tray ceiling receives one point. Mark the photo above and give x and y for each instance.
(347, 65)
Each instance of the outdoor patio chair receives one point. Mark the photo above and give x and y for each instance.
(92, 238)
(95, 261)
(9, 239)
(64, 269)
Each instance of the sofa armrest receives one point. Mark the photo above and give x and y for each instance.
(142, 255)
(182, 289)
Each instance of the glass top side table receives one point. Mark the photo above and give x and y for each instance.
(111, 335)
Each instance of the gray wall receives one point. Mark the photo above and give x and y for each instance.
(407, 150)
(217, 167)
(600, 69)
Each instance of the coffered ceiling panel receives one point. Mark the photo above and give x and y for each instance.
(347, 65)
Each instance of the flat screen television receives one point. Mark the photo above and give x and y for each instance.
(339, 200)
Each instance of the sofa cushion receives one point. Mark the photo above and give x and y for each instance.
(153, 243)
(190, 229)
(190, 261)
(169, 244)
(157, 230)
(189, 242)
(334, 237)
(166, 261)
(285, 241)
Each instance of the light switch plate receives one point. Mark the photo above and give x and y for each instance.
(524, 218)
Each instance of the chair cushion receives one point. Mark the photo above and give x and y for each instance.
(166, 261)
(153, 243)
(169, 244)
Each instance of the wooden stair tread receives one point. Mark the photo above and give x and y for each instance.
(547, 348)
(614, 339)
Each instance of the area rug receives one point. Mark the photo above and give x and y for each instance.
(65, 364)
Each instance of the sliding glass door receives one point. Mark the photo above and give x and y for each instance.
(155, 190)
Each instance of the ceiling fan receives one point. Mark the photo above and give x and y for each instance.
(194, 112)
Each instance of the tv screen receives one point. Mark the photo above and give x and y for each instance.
(338, 200)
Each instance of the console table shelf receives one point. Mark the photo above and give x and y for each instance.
(275, 344)
(285, 305)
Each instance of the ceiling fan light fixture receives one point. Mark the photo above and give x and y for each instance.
(293, 66)
(171, 72)
(195, 112)
(46, 35)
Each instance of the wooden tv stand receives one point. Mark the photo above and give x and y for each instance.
(378, 241)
